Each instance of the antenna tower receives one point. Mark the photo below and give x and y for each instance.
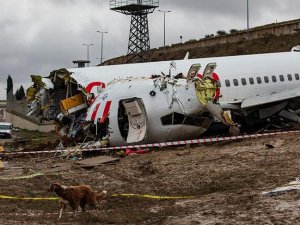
(139, 41)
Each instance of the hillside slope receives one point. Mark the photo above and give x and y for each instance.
(263, 45)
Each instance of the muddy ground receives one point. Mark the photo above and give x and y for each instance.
(226, 179)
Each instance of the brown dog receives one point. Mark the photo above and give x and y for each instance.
(75, 196)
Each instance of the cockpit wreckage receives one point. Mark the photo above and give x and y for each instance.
(128, 111)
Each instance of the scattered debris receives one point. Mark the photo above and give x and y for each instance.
(4, 165)
(19, 144)
(182, 153)
(58, 167)
(136, 152)
(278, 143)
(72, 153)
(294, 185)
(60, 98)
(96, 161)
(146, 167)
(268, 146)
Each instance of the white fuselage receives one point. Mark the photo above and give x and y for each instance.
(241, 78)
(228, 68)
(180, 98)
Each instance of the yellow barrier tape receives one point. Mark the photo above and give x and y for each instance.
(152, 196)
(27, 198)
(30, 176)
(22, 177)
(113, 195)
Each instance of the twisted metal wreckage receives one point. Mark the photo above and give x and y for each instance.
(60, 98)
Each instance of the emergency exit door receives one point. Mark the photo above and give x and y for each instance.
(137, 120)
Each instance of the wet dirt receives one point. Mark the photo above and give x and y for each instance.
(226, 179)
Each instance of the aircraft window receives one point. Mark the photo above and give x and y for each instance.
(289, 76)
(266, 79)
(243, 80)
(235, 82)
(227, 83)
(274, 78)
(281, 77)
(258, 79)
(251, 80)
(172, 119)
(296, 76)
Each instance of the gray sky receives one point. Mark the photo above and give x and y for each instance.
(39, 36)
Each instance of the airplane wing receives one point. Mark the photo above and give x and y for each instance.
(271, 98)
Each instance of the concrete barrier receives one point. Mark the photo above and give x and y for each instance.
(25, 123)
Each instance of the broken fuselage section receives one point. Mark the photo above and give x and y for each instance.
(128, 111)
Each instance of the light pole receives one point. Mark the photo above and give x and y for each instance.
(180, 39)
(88, 52)
(102, 33)
(247, 14)
(164, 12)
(248, 35)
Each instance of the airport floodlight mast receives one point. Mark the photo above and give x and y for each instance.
(139, 41)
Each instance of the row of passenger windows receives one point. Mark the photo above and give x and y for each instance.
(264, 79)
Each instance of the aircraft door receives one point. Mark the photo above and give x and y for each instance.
(193, 71)
(209, 70)
(135, 112)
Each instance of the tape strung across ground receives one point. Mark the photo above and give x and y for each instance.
(152, 196)
(37, 174)
(113, 195)
(27, 198)
(22, 177)
(159, 145)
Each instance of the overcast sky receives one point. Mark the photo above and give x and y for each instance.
(38, 36)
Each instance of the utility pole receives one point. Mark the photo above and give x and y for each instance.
(247, 14)
(88, 52)
(164, 12)
(102, 33)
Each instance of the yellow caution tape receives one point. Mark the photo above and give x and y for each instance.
(30, 176)
(27, 198)
(113, 195)
(22, 177)
(153, 196)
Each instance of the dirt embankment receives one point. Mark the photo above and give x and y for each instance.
(226, 180)
(262, 45)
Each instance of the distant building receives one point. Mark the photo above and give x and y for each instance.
(81, 63)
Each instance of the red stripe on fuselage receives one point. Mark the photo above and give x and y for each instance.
(106, 111)
(94, 84)
(95, 111)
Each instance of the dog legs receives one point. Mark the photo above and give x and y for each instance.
(62, 207)
(82, 204)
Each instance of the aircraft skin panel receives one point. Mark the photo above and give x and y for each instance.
(228, 68)
(163, 105)
(273, 97)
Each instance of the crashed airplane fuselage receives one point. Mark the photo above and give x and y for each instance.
(149, 110)
(128, 111)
